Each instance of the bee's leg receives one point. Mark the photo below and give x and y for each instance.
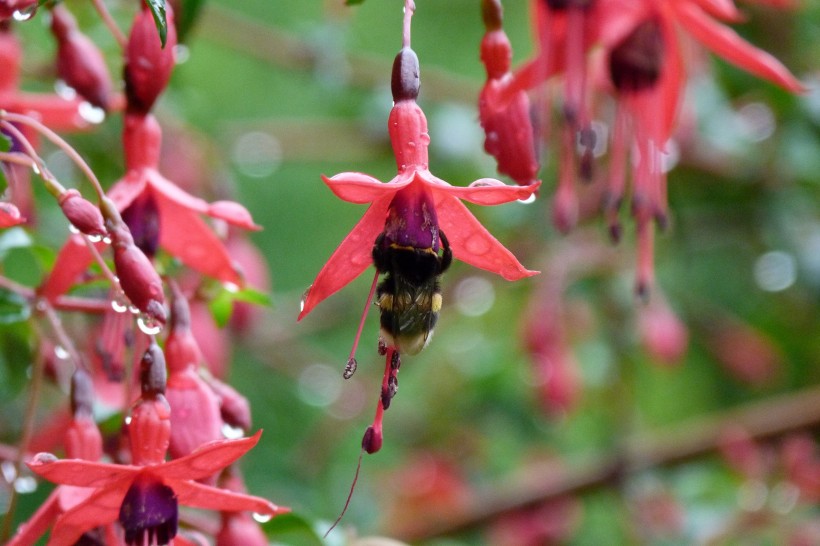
(446, 255)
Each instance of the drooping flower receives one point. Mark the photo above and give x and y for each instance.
(144, 496)
(417, 199)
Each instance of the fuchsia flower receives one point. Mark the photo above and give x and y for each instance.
(415, 207)
(145, 495)
(640, 40)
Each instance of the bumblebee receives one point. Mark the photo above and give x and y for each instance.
(409, 297)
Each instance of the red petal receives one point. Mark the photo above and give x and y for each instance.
(233, 213)
(82, 473)
(360, 188)
(170, 191)
(351, 258)
(197, 495)
(472, 243)
(54, 112)
(726, 43)
(207, 460)
(101, 508)
(128, 188)
(185, 235)
(485, 191)
(722, 9)
(72, 260)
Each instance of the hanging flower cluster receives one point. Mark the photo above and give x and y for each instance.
(638, 45)
(127, 494)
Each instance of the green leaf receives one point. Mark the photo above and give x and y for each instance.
(222, 304)
(158, 10)
(353, 2)
(11, 238)
(13, 307)
(292, 528)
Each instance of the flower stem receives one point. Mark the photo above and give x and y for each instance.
(109, 22)
(409, 8)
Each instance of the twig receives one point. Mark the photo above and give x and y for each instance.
(105, 15)
(763, 421)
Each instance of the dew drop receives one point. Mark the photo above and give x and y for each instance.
(304, 298)
(148, 325)
(128, 420)
(73, 229)
(95, 238)
(133, 309)
(24, 14)
(91, 113)
(528, 200)
(60, 352)
(35, 169)
(106, 240)
(261, 518)
(232, 433)
(230, 287)
(118, 304)
(25, 484)
(64, 90)
(8, 471)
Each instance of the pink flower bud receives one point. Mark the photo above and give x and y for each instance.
(138, 278)
(181, 349)
(662, 333)
(82, 214)
(79, 61)
(746, 353)
(83, 439)
(9, 215)
(148, 65)
(234, 408)
(150, 430)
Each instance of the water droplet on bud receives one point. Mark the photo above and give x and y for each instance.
(24, 14)
(95, 238)
(133, 309)
(119, 303)
(73, 229)
(148, 325)
(60, 352)
(91, 113)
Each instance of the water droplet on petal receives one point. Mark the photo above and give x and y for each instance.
(528, 200)
(91, 113)
(262, 518)
(305, 295)
(95, 238)
(148, 325)
(106, 240)
(64, 90)
(133, 309)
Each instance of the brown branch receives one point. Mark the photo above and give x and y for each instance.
(678, 444)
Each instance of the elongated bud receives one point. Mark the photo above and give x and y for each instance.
(83, 215)
(405, 82)
(148, 65)
(233, 407)
(372, 440)
(80, 64)
(138, 278)
(82, 393)
(181, 349)
(152, 372)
